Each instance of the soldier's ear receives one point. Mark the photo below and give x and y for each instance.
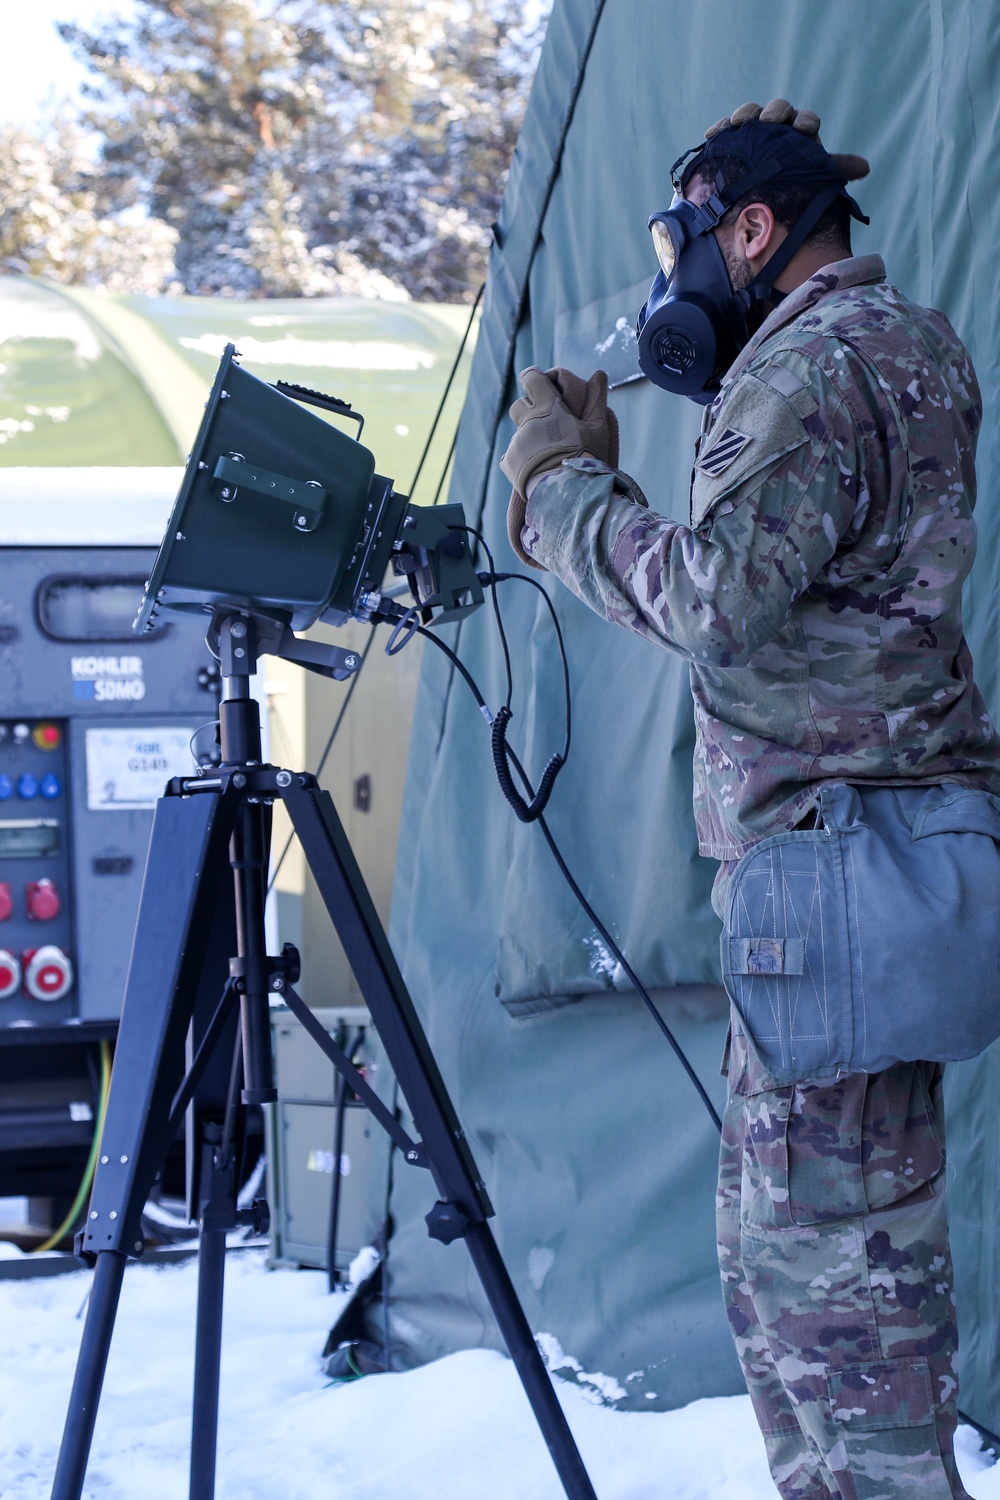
(755, 231)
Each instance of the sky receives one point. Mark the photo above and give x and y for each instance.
(37, 69)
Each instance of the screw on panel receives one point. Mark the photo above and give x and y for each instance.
(239, 779)
(284, 778)
(124, 1159)
(105, 1160)
(93, 1213)
(113, 1214)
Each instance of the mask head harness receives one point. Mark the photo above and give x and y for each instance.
(693, 325)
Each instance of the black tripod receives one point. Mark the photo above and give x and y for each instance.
(204, 828)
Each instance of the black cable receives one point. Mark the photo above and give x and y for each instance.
(437, 416)
(491, 581)
(565, 871)
(459, 667)
(327, 748)
(427, 448)
(524, 578)
(630, 973)
(447, 465)
(524, 811)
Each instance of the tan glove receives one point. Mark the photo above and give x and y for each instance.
(780, 112)
(558, 416)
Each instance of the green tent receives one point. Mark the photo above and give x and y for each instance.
(91, 378)
(596, 1151)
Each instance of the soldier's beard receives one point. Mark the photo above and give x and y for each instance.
(741, 273)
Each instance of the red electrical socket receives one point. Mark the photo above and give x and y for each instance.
(42, 900)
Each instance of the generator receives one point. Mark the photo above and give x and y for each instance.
(93, 722)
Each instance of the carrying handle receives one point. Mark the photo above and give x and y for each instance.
(326, 403)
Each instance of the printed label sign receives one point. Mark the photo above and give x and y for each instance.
(128, 768)
(108, 679)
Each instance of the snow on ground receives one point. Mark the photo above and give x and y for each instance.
(460, 1429)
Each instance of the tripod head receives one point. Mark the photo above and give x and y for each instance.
(238, 639)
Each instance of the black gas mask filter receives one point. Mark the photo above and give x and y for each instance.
(693, 324)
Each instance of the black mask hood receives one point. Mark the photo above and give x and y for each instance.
(693, 325)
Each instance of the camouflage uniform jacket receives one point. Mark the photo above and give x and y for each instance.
(817, 591)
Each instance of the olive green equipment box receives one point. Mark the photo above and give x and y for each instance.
(302, 1144)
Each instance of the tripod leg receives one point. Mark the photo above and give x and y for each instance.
(465, 1206)
(208, 1343)
(89, 1378)
(186, 865)
(216, 1193)
(530, 1366)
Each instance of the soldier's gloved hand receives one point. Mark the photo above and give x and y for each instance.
(558, 416)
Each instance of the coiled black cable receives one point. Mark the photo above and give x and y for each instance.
(526, 812)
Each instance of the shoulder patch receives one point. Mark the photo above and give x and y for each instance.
(756, 429)
(725, 449)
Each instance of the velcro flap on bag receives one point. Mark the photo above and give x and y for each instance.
(949, 809)
(767, 955)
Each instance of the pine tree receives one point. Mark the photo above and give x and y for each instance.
(54, 220)
(316, 146)
(210, 115)
(444, 86)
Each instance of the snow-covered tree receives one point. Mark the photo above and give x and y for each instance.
(54, 220)
(443, 87)
(306, 146)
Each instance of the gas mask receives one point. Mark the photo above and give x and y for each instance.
(693, 324)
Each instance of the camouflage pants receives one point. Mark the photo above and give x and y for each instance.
(833, 1247)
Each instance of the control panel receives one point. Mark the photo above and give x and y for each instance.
(37, 974)
(94, 723)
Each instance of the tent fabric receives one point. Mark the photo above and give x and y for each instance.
(592, 1142)
(97, 379)
(67, 395)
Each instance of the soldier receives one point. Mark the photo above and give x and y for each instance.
(816, 594)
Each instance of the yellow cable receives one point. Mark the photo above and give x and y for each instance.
(88, 1175)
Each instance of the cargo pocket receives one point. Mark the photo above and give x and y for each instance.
(824, 1146)
(764, 1103)
(904, 1141)
(884, 1417)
